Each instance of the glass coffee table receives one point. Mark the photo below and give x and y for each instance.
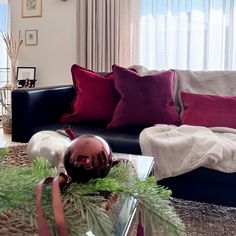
(125, 211)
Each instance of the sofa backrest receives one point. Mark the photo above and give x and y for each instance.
(222, 83)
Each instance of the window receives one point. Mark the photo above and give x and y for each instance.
(4, 65)
(188, 34)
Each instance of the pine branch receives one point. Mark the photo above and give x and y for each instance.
(157, 208)
(4, 152)
(17, 185)
(87, 200)
(98, 220)
(123, 172)
(83, 202)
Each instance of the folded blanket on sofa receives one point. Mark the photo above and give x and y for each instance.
(221, 83)
(177, 150)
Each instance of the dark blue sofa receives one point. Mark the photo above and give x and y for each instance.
(39, 109)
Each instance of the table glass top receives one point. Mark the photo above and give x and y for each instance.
(127, 206)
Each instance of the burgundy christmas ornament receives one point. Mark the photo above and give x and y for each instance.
(88, 157)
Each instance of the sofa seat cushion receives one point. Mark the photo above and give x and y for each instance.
(120, 140)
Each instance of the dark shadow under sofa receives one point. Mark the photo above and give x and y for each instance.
(39, 109)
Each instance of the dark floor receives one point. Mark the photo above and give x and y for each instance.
(206, 219)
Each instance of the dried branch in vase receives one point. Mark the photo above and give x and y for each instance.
(13, 47)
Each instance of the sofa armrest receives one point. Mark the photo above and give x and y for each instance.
(38, 106)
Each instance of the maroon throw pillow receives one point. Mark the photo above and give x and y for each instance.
(208, 110)
(145, 100)
(96, 97)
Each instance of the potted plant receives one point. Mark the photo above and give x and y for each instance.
(7, 123)
(13, 47)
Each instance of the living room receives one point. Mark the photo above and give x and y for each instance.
(168, 105)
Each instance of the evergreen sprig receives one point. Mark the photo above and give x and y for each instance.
(156, 207)
(17, 184)
(83, 202)
(4, 152)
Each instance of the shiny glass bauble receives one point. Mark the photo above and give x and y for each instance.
(88, 157)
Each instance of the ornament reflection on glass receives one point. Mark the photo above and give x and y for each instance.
(88, 157)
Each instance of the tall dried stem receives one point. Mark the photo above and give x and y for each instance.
(13, 46)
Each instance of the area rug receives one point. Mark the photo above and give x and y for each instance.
(206, 219)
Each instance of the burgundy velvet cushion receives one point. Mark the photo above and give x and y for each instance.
(208, 110)
(145, 101)
(96, 97)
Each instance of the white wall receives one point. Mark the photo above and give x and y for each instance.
(56, 49)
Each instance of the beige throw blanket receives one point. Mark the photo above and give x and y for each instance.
(177, 150)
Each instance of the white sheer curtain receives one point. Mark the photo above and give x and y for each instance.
(3, 54)
(107, 33)
(188, 34)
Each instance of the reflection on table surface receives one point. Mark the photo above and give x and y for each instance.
(127, 206)
(142, 164)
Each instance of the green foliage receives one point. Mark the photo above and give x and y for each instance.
(17, 184)
(83, 202)
(155, 206)
(3, 152)
(41, 167)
